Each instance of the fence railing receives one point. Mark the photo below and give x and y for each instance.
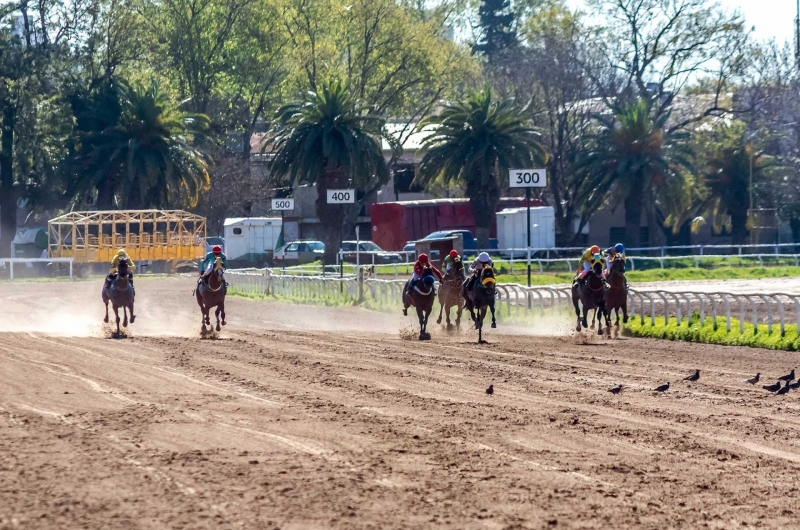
(25, 261)
(776, 310)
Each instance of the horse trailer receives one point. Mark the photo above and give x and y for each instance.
(251, 241)
(512, 230)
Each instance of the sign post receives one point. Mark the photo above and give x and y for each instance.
(283, 205)
(342, 197)
(528, 178)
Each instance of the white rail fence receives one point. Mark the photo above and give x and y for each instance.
(775, 310)
(27, 261)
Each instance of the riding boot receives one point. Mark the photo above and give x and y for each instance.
(109, 279)
(411, 285)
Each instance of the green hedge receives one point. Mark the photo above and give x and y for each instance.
(691, 330)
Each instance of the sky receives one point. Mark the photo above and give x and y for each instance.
(771, 18)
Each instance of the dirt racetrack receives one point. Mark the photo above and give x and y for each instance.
(304, 417)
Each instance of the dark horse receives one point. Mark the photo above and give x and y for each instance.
(590, 293)
(616, 296)
(121, 294)
(479, 298)
(212, 293)
(450, 293)
(422, 296)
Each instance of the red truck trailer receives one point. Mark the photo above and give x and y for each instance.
(396, 223)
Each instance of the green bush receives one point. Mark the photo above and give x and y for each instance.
(693, 330)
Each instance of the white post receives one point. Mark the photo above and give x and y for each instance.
(11, 270)
(71, 260)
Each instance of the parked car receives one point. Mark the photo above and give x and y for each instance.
(368, 249)
(466, 235)
(215, 240)
(299, 253)
(410, 251)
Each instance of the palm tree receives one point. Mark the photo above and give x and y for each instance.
(475, 142)
(330, 140)
(727, 170)
(634, 158)
(136, 149)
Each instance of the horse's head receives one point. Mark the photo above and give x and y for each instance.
(428, 280)
(458, 266)
(617, 265)
(488, 278)
(122, 267)
(597, 268)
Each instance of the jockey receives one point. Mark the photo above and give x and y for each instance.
(613, 252)
(589, 257)
(211, 258)
(483, 260)
(115, 263)
(420, 265)
(450, 259)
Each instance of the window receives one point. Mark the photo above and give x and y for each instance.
(370, 247)
(349, 247)
(317, 245)
(237, 231)
(292, 248)
(303, 247)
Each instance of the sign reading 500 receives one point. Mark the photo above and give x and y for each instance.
(341, 196)
(282, 204)
(527, 178)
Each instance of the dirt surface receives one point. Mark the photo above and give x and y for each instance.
(303, 417)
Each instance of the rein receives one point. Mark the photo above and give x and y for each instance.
(621, 283)
(221, 285)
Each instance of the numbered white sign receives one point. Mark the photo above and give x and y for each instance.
(527, 178)
(282, 204)
(341, 196)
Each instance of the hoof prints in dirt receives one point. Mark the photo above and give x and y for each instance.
(209, 334)
(111, 333)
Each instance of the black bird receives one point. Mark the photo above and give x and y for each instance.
(795, 385)
(753, 380)
(662, 388)
(615, 390)
(787, 377)
(694, 377)
(490, 390)
(785, 389)
(772, 388)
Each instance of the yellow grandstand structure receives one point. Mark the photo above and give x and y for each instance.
(165, 237)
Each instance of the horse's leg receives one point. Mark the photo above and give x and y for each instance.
(625, 312)
(425, 323)
(116, 314)
(133, 317)
(420, 317)
(585, 315)
(577, 311)
(106, 318)
(459, 310)
(216, 315)
(125, 314)
(479, 324)
(441, 307)
(491, 307)
(222, 310)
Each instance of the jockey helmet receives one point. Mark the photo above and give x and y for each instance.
(423, 258)
(594, 250)
(217, 249)
(121, 252)
(619, 247)
(483, 257)
(454, 253)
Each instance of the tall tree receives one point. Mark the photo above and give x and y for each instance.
(136, 150)
(475, 142)
(634, 158)
(497, 28)
(331, 141)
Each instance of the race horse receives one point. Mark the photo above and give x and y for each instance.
(590, 293)
(450, 293)
(422, 299)
(121, 294)
(616, 295)
(478, 297)
(211, 293)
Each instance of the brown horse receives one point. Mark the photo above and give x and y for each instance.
(121, 294)
(616, 296)
(478, 297)
(211, 293)
(590, 293)
(422, 296)
(450, 293)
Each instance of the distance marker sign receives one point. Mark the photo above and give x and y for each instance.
(527, 178)
(341, 196)
(282, 204)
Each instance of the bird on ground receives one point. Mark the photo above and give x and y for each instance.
(694, 377)
(787, 377)
(785, 389)
(615, 390)
(795, 385)
(753, 380)
(662, 388)
(772, 388)
(490, 390)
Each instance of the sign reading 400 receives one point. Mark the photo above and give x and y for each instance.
(527, 178)
(341, 196)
